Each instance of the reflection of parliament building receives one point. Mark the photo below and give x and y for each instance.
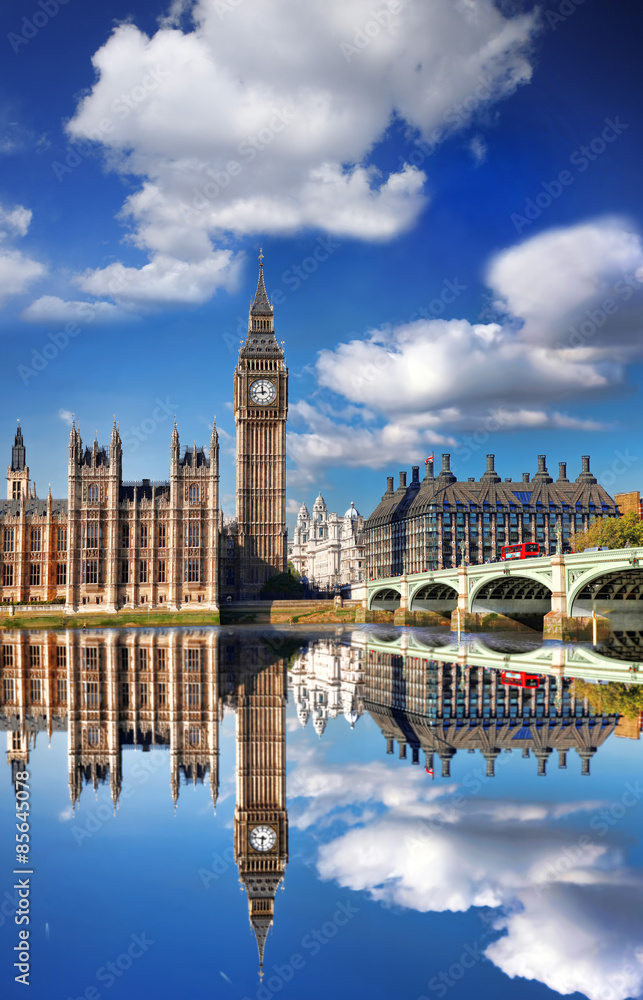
(168, 689)
(112, 544)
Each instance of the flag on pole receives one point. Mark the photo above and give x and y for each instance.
(429, 459)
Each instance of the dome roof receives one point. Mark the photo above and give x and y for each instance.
(352, 512)
(320, 503)
(303, 511)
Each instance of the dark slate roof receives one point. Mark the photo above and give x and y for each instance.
(195, 462)
(102, 457)
(261, 305)
(9, 508)
(145, 490)
(18, 453)
(445, 492)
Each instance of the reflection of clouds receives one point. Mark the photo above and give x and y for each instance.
(573, 926)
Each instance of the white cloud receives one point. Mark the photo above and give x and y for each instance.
(17, 272)
(52, 309)
(18, 220)
(479, 148)
(558, 279)
(260, 120)
(569, 913)
(572, 318)
(66, 416)
(164, 281)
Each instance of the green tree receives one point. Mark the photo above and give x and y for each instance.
(614, 698)
(283, 586)
(614, 532)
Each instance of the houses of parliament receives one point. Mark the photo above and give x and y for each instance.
(112, 544)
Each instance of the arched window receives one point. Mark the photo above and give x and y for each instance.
(92, 493)
(194, 493)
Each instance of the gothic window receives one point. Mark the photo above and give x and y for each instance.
(192, 695)
(192, 570)
(90, 658)
(162, 536)
(90, 694)
(142, 576)
(92, 493)
(7, 575)
(142, 695)
(62, 539)
(195, 737)
(91, 535)
(124, 571)
(9, 689)
(61, 574)
(8, 539)
(16, 490)
(7, 656)
(61, 688)
(161, 695)
(93, 736)
(162, 571)
(193, 536)
(36, 539)
(161, 659)
(34, 575)
(194, 494)
(142, 659)
(36, 689)
(125, 537)
(193, 659)
(143, 537)
(90, 571)
(34, 656)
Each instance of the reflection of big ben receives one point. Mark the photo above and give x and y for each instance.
(260, 410)
(261, 820)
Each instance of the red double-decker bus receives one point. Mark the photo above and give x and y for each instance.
(517, 678)
(524, 550)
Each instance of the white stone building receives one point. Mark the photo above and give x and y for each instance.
(328, 550)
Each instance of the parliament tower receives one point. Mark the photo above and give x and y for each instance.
(260, 409)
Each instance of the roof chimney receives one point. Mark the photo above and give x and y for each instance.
(542, 476)
(416, 474)
(389, 484)
(446, 469)
(562, 472)
(525, 477)
(586, 476)
(402, 480)
(490, 475)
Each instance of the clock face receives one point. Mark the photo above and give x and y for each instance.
(263, 391)
(262, 838)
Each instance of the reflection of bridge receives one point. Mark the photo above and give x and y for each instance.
(557, 588)
(438, 699)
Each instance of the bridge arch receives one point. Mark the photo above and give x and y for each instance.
(385, 599)
(525, 598)
(606, 589)
(439, 597)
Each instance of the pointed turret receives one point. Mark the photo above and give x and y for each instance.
(261, 305)
(261, 341)
(18, 452)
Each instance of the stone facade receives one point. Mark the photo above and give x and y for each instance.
(439, 522)
(113, 544)
(327, 550)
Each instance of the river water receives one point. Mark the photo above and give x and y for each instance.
(376, 812)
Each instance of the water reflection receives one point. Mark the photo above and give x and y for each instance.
(432, 846)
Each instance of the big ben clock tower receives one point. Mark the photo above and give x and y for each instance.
(260, 410)
(261, 819)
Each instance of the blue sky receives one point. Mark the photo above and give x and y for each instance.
(447, 196)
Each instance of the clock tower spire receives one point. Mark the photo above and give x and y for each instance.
(260, 410)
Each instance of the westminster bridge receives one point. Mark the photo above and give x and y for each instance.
(558, 593)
